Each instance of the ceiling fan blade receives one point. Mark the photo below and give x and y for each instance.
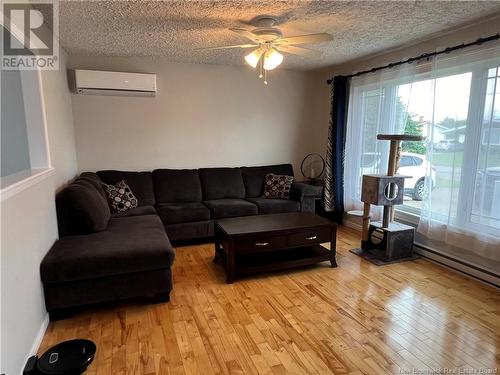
(244, 32)
(298, 51)
(228, 47)
(304, 39)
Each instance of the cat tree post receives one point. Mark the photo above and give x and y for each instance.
(392, 167)
(366, 223)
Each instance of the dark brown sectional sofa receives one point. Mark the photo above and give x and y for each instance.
(102, 256)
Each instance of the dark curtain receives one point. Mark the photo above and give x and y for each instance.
(334, 171)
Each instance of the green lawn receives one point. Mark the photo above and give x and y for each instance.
(448, 159)
(443, 182)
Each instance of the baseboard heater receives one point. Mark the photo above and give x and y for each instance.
(458, 265)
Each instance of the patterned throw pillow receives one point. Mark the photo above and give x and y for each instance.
(120, 197)
(277, 186)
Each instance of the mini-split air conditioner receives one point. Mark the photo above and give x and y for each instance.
(97, 82)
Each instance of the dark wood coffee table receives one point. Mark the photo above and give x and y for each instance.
(264, 243)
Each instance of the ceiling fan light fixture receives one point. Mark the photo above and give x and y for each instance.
(253, 57)
(272, 59)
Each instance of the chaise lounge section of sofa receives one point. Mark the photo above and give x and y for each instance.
(102, 257)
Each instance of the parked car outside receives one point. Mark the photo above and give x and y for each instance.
(413, 165)
(416, 166)
(448, 145)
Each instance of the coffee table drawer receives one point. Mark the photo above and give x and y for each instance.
(264, 243)
(313, 236)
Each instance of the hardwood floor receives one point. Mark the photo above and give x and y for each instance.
(354, 319)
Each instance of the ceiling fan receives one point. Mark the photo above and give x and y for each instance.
(268, 41)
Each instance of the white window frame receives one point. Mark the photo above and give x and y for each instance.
(37, 132)
(473, 135)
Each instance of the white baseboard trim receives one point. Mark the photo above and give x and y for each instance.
(38, 339)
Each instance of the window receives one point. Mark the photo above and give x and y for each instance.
(485, 210)
(14, 135)
(24, 149)
(417, 160)
(406, 161)
(456, 105)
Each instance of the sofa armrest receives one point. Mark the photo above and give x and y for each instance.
(307, 195)
(300, 191)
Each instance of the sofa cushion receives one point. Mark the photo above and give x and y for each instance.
(177, 185)
(220, 183)
(254, 177)
(230, 208)
(137, 211)
(82, 209)
(141, 184)
(275, 206)
(129, 244)
(190, 231)
(173, 213)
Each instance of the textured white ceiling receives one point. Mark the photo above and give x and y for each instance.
(174, 29)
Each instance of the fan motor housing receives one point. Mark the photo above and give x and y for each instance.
(267, 33)
(264, 21)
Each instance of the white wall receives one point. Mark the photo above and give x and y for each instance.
(28, 222)
(203, 115)
(59, 115)
(321, 100)
(28, 230)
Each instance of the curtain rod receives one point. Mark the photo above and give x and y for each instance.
(424, 56)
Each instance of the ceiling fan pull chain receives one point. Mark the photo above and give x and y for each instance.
(260, 67)
(265, 76)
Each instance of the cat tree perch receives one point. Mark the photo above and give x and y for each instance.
(386, 240)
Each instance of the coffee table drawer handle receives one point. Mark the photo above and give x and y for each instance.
(261, 243)
(311, 238)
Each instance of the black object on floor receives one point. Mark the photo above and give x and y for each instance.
(70, 357)
(376, 259)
